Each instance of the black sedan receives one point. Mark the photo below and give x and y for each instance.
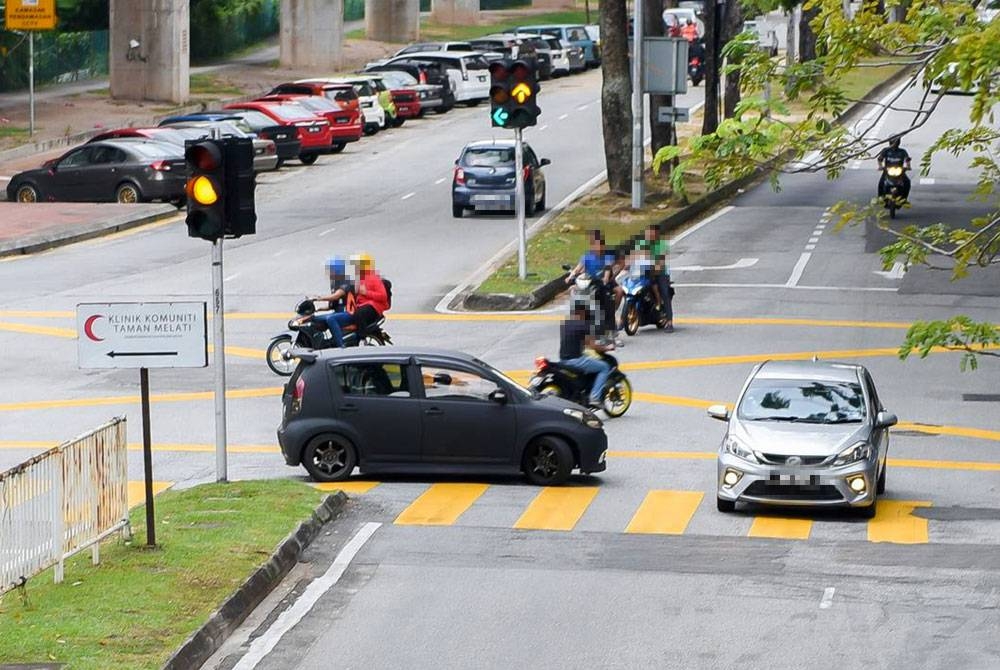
(397, 409)
(121, 170)
(484, 179)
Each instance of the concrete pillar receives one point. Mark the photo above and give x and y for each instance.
(312, 33)
(392, 20)
(150, 50)
(455, 12)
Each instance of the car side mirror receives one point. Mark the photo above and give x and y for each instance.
(885, 419)
(720, 412)
(499, 396)
(545, 161)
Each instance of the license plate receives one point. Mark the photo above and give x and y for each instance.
(482, 78)
(792, 479)
(281, 137)
(490, 198)
(342, 121)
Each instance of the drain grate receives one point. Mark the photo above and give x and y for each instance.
(981, 397)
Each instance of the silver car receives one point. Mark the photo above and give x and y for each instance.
(804, 433)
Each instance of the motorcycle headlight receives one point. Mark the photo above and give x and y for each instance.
(586, 417)
(733, 446)
(859, 451)
(895, 171)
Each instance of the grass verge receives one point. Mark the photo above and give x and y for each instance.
(139, 605)
(208, 84)
(431, 31)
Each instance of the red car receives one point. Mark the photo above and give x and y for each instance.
(345, 124)
(407, 100)
(315, 133)
(342, 94)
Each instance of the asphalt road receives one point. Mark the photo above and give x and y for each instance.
(631, 568)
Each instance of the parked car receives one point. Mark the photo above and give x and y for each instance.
(468, 73)
(373, 115)
(484, 178)
(427, 411)
(804, 433)
(285, 137)
(402, 83)
(767, 38)
(426, 73)
(511, 45)
(314, 131)
(343, 94)
(265, 156)
(594, 32)
(383, 95)
(124, 170)
(424, 47)
(564, 58)
(345, 124)
(575, 34)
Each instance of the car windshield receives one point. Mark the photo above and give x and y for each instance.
(476, 63)
(803, 401)
(155, 150)
(256, 119)
(317, 104)
(489, 156)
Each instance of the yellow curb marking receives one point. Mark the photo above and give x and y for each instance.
(137, 492)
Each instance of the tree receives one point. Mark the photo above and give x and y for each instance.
(732, 26)
(616, 96)
(942, 40)
(710, 117)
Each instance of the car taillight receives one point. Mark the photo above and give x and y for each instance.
(695, 61)
(271, 149)
(297, 393)
(160, 166)
(526, 173)
(460, 176)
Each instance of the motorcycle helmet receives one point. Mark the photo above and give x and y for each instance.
(336, 266)
(305, 308)
(894, 143)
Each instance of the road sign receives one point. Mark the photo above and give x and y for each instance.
(30, 14)
(142, 335)
(664, 65)
(673, 114)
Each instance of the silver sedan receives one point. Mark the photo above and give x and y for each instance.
(804, 433)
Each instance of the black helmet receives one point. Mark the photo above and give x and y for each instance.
(306, 308)
(894, 143)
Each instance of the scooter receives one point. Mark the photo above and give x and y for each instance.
(311, 333)
(696, 70)
(588, 290)
(554, 378)
(640, 301)
(894, 176)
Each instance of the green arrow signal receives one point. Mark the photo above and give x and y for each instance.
(500, 116)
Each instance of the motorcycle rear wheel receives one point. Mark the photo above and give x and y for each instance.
(618, 398)
(277, 358)
(631, 320)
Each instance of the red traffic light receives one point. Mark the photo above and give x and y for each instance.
(499, 71)
(204, 156)
(520, 71)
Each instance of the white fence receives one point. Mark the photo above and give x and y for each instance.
(62, 501)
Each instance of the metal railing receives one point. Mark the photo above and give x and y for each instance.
(61, 502)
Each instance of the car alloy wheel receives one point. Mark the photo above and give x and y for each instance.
(27, 193)
(548, 461)
(127, 194)
(329, 458)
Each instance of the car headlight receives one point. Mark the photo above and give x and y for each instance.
(733, 446)
(586, 417)
(859, 451)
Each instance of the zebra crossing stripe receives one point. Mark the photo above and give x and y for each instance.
(441, 505)
(780, 528)
(665, 512)
(557, 508)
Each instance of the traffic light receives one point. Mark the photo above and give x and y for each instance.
(499, 93)
(206, 188)
(220, 188)
(513, 94)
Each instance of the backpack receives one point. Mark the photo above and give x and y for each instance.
(388, 293)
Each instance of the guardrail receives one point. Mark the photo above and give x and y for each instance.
(61, 502)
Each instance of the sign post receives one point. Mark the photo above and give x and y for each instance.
(30, 16)
(638, 186)
(143, 335)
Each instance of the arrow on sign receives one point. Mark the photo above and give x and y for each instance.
(115, 354)
(521, 92)
(500, 116)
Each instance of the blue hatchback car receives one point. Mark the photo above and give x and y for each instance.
(574, 33)
(484, 179)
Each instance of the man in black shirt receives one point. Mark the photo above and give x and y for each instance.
(898, 155)
(574, 334)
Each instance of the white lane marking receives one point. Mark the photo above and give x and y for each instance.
(929, 181)
(827, 600)
(582, 107)
(5, 178)
(441, 180)
(797, 271)
(563, 117)
(704, 222)
(860, 289)
(741, 263)
(409, 195)
(897, 271)
(232, 276)
(327, 232)
(543, 127)
(263, 645)
(820, 226)
(813, 240)
(810, 247)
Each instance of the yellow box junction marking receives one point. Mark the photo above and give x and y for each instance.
(441, 505)
(356, 487)
(894, 522)
(137, 492)
(780, 528)
(557, 508)
(665, 512)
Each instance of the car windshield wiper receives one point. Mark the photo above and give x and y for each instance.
(844, 420)
(789, 419)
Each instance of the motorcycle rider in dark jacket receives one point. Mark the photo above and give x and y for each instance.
(894, 152)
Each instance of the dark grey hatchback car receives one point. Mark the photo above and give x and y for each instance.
(422, 411)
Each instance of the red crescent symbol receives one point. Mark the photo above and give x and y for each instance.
(88, 327)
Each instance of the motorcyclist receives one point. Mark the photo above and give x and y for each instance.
(373, 299)
(599, 264)
(341, 300)
(658, 250)
(576, 334)
(690, 31)
(896, 153)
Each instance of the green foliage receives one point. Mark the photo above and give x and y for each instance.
(220, 27)
(959, 333)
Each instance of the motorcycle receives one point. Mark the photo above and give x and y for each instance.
(894, 180)
(696, 70)
(640, 301)
(311, 333)
(554, 378)
(588, 290)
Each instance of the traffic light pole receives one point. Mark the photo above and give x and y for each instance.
(219, 340)
(522, 243)
(638, 189)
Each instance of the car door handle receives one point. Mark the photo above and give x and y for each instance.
(348, 408)
(433, 411)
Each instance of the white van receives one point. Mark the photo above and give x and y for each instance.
(468, 72)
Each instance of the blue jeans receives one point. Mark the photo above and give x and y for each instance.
(590, 365)
(334, 320)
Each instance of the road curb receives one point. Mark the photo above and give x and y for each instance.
(503, 302)
(78, 233)
(206, 640)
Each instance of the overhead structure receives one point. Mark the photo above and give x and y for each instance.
(312, 33)
(392, 20)
(149, 48)
(455, 12)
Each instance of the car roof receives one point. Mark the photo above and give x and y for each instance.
(200, 116)
(537, 26)
(506, 144)
(394, 353)
(810, 370)
(438, 55)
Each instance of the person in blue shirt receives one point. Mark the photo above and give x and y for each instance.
(599, 264)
